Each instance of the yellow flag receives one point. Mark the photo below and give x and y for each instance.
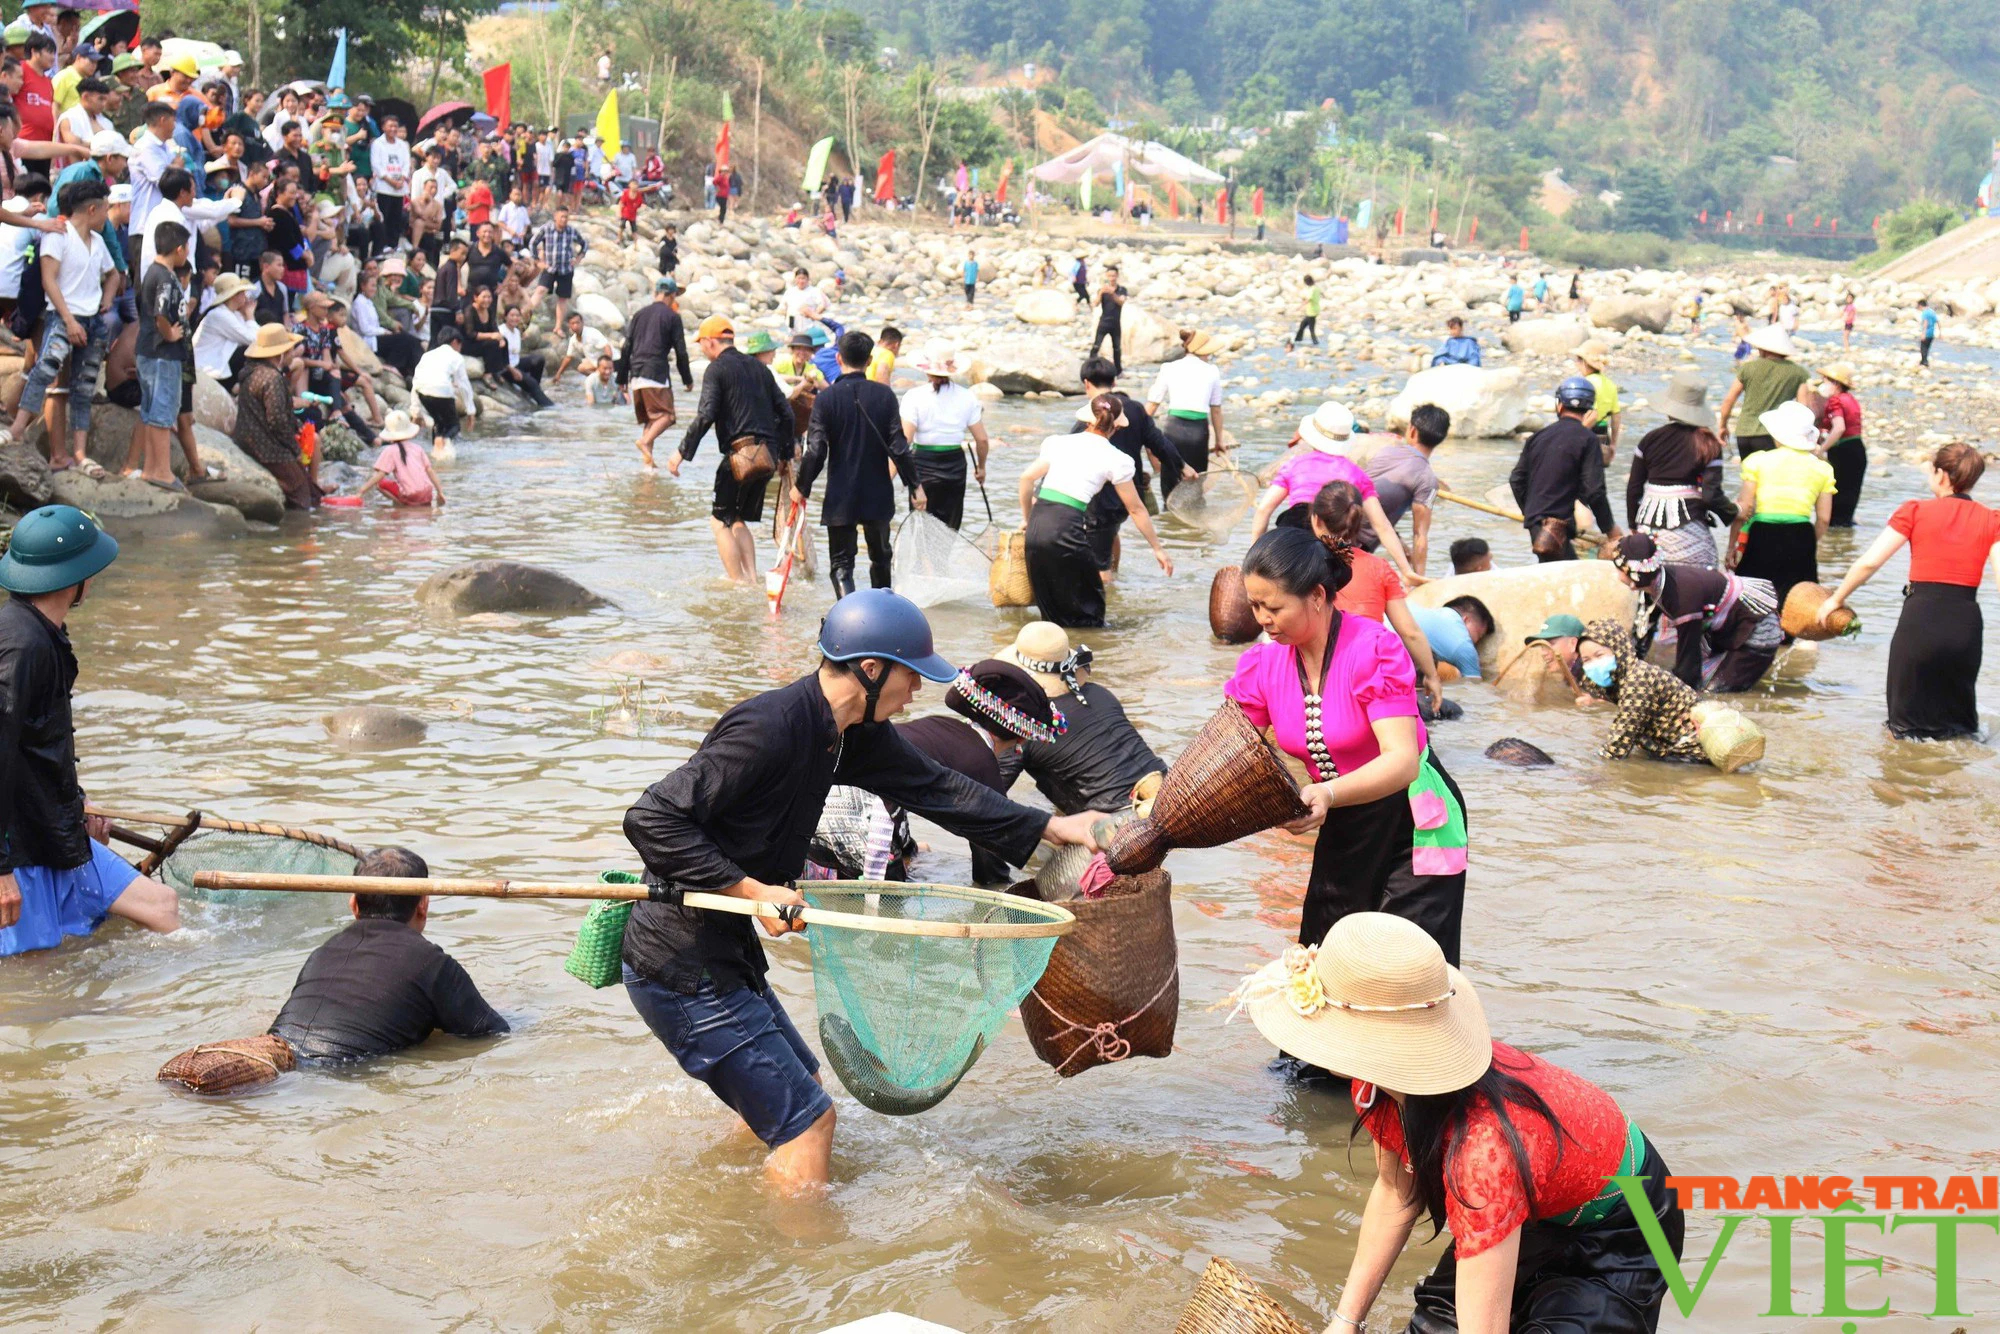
(607, 124)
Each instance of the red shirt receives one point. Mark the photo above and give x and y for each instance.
(1845, 406)
(1374, 586)
(37, 104)
(628, 205)
(1949, 538)
(1483, 1199)
(479, 204)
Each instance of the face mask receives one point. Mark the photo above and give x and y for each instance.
(1598, 671)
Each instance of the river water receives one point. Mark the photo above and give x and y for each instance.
(1788, 970)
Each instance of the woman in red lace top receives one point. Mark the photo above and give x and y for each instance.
(1508, 1153)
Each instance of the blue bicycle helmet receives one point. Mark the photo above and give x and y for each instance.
(1576, 392)
(876, 623)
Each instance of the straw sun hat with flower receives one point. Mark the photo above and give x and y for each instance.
(1375, 1002)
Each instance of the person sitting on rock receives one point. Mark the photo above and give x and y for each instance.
(1460, 348)
(378, 986)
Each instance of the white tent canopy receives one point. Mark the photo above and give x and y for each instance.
(1102, 155)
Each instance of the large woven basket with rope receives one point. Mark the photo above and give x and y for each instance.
(231, 1066)
(1229, 783)
(1112, 989)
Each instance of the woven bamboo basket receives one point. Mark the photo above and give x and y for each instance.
(1229, 616)
(1227, 1302)
(1728, 739)
(1112, 988)
(1800, 617)
(1228, 783)
(1007, 580)
(229, 1067)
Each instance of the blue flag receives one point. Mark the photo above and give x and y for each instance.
(336, 74)
(1364, 215)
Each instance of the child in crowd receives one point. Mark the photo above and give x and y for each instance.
(629, 200)
(77, 276)
(164, 352)
(882, 364)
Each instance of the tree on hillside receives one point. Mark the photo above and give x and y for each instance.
(1647, 203)
(1180, 101)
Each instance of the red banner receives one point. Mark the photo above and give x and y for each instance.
(1222, 208)
(885, 178)
(722, 146)
(1006, 175)
(1257, 202)
(500, 93)
(1173, 200)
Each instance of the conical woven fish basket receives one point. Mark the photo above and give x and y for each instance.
(1228, 783)
(1227, 1302)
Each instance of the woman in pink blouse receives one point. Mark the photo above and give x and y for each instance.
(1339, 693)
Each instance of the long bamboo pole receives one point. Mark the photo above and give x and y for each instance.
(1479, 505)
(1057, 921)
(216, 824)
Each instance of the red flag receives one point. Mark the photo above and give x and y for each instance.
(1257, 201)
(1221, 208)
(1760, 217)
(500, 93)
(1836, 224)
(722, 146)
(1524, 238)
(1788, 219)
(1704, 217)
(1475, 232)
(1173, 200)
(1399, 222)
(1006, 174)
(885, 178)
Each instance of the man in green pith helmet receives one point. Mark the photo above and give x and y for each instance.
(736, 820)
(57, 877)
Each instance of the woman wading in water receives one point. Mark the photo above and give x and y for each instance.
(1505, 1151)
(1339, 693)
(1934, 658)
(1055, 497)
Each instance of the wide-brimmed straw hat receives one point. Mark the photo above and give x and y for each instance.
(1327, 428)
(229, 285)
(1687, 401)
(1202, 343)
(397, 426)
(1042, 650)
(1792, 425)
(1593, 353)
(1376, 1002)
(1840, 372)
(1772, 338)
(273, 340)
(939, 361)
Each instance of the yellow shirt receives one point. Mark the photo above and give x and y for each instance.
(1607, 396)
(64, 87)
(1789, 483)
(881, 364)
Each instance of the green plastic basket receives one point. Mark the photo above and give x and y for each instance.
(596, 958)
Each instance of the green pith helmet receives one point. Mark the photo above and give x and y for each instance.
(760, 340)
(54, 547)
(1562, 625)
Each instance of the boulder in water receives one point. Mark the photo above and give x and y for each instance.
(1520, 599)
(504, 585)
(1027, 365)
(25, 480)
(213, 407)
(1483, 402)
(1521, 754)
(373, 727)
(1545, 338)
(1046, 305)
(1625, 313)
(600, 311)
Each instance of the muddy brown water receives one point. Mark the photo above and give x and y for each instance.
(1787, 970)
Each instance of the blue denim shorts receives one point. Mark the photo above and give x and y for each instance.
(159, 391)
(743, 1046)
(71, 902)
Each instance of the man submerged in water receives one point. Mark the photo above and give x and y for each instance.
(379, 986)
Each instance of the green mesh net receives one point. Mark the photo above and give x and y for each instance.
(903, 1017)
(220, 850)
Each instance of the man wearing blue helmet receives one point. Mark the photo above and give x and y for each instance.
(736, 819)
(57, 878)
(1560, 465)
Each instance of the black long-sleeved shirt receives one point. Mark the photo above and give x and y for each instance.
(1093, 765)
(41, 806)
(1668, 456)
(654, 341)
(745, 805)
(379, 987)
(855, 432)
(1138, 437)
(739, 397)
(1686, 597)
(1561, 464)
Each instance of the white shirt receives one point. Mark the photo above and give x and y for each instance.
(1083, 464)
(150, 157)
(512, 337)
(274, 134)
(82, 124)
(545, 159)
(391, 162)
(1788, 317)
(364, 319)
(447, 187)
(83, 262)
(941, 416)
(583, 349)
(1187, 385)
(514, 221)
(441, 373)
(198, 214)
(14, 243)
(806, 302)
(217, 337)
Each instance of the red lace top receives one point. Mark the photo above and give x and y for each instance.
(1484, 1201)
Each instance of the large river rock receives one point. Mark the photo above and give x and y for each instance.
(503, 585)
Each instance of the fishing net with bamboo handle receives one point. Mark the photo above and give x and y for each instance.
(199, 841)
(1215, 501)
(935, 564)
(911, 987)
